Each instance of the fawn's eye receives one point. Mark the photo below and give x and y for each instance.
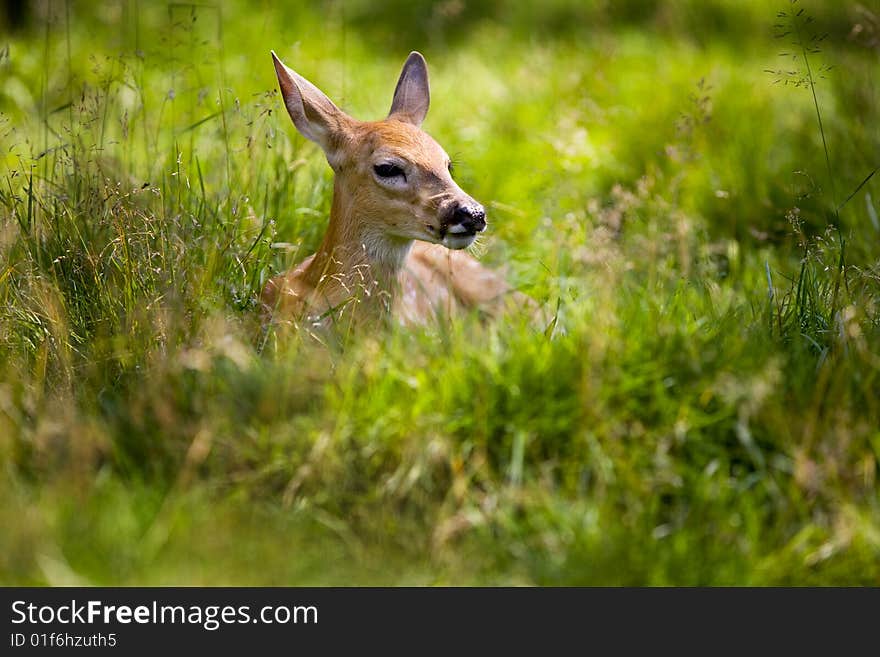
(389, 171)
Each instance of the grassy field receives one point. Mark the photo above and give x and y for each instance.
(669, 179)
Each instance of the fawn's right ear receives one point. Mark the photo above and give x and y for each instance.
(313, 114)
(412, 95)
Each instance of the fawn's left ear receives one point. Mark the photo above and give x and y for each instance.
(313, 114)
(412, 96)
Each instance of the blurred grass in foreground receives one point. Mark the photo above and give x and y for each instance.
(706, 411)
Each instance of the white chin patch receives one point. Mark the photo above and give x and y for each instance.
(453, 241)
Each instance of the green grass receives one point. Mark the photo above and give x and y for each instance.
(707, 410)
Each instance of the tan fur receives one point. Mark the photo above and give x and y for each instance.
(380, 253)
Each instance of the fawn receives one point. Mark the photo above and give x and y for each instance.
(398, 219)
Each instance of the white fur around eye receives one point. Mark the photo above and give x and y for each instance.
(391, 182)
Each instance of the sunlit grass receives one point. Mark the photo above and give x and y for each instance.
(706, 410)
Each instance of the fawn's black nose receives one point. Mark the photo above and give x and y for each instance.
(468, 218)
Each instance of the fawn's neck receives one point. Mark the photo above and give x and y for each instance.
(356, 255)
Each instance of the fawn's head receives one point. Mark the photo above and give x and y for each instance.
(391, 176)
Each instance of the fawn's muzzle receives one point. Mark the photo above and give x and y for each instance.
(467, 219)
